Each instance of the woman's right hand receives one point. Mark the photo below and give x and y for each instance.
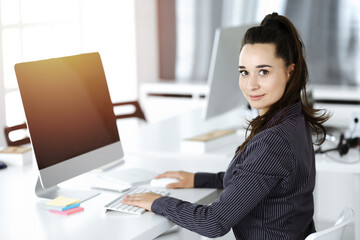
(186, 179)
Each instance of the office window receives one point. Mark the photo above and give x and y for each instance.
(38, 29)
(330, 30)
(187, 30)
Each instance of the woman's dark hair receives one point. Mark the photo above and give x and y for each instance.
(279, 31)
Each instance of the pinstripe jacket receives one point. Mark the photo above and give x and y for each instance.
(267, 189)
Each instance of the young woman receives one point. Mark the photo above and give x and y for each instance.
(268, 186)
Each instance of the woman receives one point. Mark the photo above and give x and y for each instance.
(268, 186)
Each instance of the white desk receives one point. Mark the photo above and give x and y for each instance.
(165, 136)
(326, 165)
(23, 215)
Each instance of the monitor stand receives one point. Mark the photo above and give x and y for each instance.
(55, 191)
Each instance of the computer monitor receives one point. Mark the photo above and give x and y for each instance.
(223, 79)
(70, 119)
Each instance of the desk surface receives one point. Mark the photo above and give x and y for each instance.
(165, 136)
(23, 214)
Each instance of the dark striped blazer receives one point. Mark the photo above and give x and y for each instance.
(267, 189)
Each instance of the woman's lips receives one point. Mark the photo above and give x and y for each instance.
(256, 97)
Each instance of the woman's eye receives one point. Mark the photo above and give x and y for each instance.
(243, 73)
(263, 72)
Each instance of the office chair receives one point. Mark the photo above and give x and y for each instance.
(138, 113)
(19, 142)
(336, 231)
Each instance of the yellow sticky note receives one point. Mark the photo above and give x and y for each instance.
(62, 201)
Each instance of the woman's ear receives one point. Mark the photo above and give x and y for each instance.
(290, 70)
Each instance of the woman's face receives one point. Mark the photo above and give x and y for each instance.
(263, 76)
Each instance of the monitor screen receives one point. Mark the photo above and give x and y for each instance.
(69, 115)
(223, 80)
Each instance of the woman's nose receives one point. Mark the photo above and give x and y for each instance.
(253, 83)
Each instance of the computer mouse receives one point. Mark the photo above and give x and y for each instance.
(162, 182)
(2, 165)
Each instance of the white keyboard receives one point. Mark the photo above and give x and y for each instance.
(117, 205)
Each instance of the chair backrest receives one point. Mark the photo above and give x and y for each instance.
(335, 232)
(137, 113)
(19, 142)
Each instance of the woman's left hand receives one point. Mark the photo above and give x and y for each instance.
(143, 200)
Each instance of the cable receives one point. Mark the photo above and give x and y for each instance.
(342, 148)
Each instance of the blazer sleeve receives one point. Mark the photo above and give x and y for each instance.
(209, 180)
(252, 181)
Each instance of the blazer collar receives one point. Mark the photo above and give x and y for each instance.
(285, 113)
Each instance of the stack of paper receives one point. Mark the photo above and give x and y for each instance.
(64, 206)
(209, 141)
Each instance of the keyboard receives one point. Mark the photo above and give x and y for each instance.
(117, 205)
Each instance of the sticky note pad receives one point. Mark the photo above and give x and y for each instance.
(62, 201)
(62, 208)
(68, 212)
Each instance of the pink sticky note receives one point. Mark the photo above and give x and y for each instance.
(69, 211)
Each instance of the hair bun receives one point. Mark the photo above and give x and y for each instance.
(273, 21)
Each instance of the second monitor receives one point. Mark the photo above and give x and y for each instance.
(223, 78)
